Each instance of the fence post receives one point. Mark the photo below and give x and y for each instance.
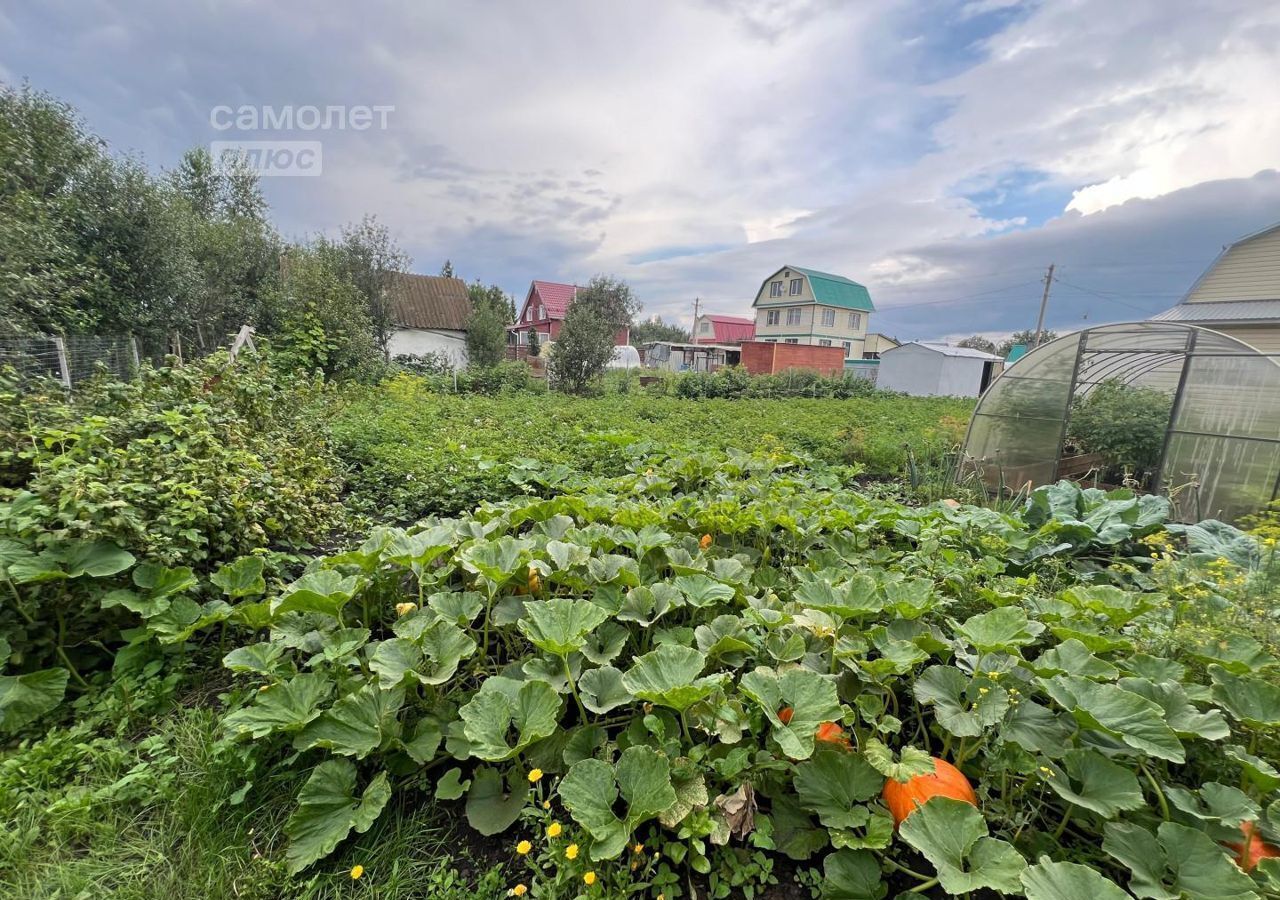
(64, 366)
(133, 349)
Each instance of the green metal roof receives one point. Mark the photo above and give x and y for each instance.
(836, 290)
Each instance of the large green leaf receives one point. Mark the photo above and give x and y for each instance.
(287, 706)
(668, 676)
(1176, 862)
(496, 561)
(97, 559)
(834, 783)
(811, 697)
(602, 690)
(1094, 782)
(1037, 729)
(1215, 803)
(25, 698)
(953, 836)
(260, 659)
(1072, 657)
(961, 706)
(702, 590)
(357, 724)
(1134, 719)
(1251, 700)
(242, 578)
(458, 607)
(328, 810)
(492, 806)
(853, 599)
(592, 788)
(1182, 715)
(502, 705)
(1049, 880)
(852, 875)
(1003, 628)
(911, 762)
(444, 646)
(395, 660)
(560, 626)
(324, 591)
(1239, 654)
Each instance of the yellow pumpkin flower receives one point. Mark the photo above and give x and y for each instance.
(705, 542)
(638, 848)
(356, 872)
(554, 829)
(403, 609)
(518, 891)
(523, 847)
(571, 852)
(535, 775)
(589, 879)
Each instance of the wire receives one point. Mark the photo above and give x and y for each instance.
(1109, 299)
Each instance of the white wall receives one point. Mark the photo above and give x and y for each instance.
(922, 372)
(419, 341)
(961, 376)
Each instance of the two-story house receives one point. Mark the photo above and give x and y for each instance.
(804, 306)
(544, 310)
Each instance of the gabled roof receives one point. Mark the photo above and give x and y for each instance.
(728, 330)
(1237, 311)
(1226, 250)
(832, 290)
(555, 297)
(430, 301)
(947, 349)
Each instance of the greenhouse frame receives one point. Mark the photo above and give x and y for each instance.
(1219, 456)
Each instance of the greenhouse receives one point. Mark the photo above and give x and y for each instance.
(1158, 407)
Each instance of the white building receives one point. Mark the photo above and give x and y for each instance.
(431, 314)
(931, 369)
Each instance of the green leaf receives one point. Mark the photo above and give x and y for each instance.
(702, 590)
(496, 561)
(1215, 802)
(833, 783)
(668, 676)
(25, 698)
(1072, 657)
(458, 607)
(1257, 771)
(1175, 863)
(812, 698)
(328, 811)
(1094, 782)
(159, 581)
(912, 762)
(262, 658)
(961, 706)
(952, 835)
(357, 724)
(394, 660)
(531, 708)
(691, 794)
(602, 690)
(451, 786)
(852, 875)
(591, 790)
(97, 559)
(444, 647)
(427, 735)
(1251, 700)
(646, 605)
(324, 591)
(1237, 653)
(1181, 714)
(605, 643)
(1134, 719)
(491, 807)
(855, 598)
(560, 626)
(287, 706)
(1037, 729)
(1003, 628)
(242, 578)
(1049, 880)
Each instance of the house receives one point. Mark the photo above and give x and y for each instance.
(1239, 294)
(431, 314)
(543, 311)
(712, 329)
(875, 344)
(804, 306)
(931, 369)
(676, 356)
(771, 357)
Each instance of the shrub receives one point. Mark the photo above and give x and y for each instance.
(1125, 424)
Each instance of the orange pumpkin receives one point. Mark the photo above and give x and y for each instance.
(831, 733)
(945, 780)
(784, 715)
(534, 581)
(1253, 849)
(705, 542)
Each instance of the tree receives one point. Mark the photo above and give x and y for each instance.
(487, 328)
(535, 344)
(654, 329)
(978, 342)
(1025, 338)
(585, 344)
(446, 271)
(371, 260)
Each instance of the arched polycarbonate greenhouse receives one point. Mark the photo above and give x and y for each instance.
(1158, 406)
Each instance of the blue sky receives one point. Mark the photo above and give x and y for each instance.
(942, 153)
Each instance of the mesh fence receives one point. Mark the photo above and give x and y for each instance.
(69, 360)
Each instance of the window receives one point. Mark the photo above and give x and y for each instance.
(793, 316)
(828, 317)
(771, 340)
(542, 312)
(796, 285)
(706, 327)
(855, 321)
(772, 317)
(775, 289)
(824, 343)
(791, 341)
(848, 348)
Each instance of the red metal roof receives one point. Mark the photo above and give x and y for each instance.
(555, 297)
(729, 330)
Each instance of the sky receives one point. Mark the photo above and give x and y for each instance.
(941, 153)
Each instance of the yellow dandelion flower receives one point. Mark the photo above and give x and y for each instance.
(546, 804)
(518, 891)
(535, 775)
(589, 879)
(571, 852)
(523, 847)
(638, 848)
(554, 829)
(356, 872)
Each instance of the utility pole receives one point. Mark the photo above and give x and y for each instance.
(1044, 302)
(693, 329)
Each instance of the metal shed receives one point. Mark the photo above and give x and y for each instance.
(930, 369)
(1219, 454)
